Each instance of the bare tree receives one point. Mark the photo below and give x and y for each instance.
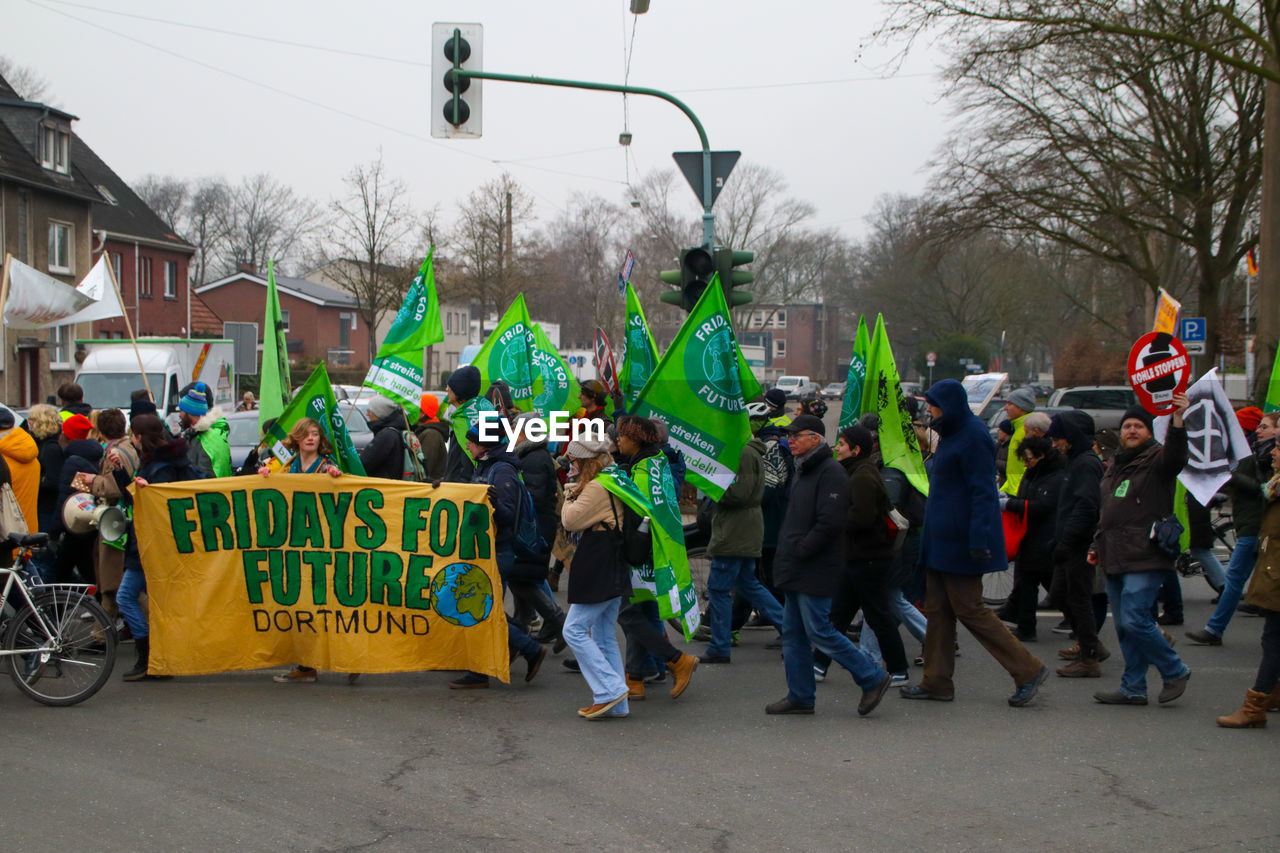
(367, 242)
(206, 224)
(267, 220)
(167, 196)
(487, 241)
(579, 271)
(26, 81)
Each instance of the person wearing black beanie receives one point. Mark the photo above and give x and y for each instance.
(464, 383)
(465, 409)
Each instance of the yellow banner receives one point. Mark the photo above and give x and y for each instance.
(1167, 311)
(352, 574)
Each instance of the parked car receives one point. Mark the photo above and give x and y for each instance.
(244, 436)
(1104, 403)
(834, 391)
(798, 387)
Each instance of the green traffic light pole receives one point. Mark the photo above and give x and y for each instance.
(708, 219)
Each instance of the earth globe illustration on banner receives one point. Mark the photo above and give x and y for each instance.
(462, 594)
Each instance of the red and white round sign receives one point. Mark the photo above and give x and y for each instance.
(931, 358)
(1158, 369)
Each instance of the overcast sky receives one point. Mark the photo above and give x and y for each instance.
(182, 89)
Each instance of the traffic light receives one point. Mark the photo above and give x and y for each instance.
(696, 267)
(455, 101)
(730, 278)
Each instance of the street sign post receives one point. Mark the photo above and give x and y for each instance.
(1193, 331)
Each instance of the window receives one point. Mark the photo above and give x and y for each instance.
(117, 264)
(448, 323)
(60, 253)
(144, 277)
(345, 325)
(284, 319)
(170, 279)
(779, 348)
(55, 148)
(778, 320)
(60, 346)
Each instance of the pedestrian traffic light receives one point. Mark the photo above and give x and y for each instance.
(730, 278)
(455, 100)
(696, 267)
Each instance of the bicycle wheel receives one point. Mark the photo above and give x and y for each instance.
(996, 587)
(72, 664)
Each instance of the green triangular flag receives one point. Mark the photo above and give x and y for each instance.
(314, 400)
(273, 378)
(397, 369)
(559, 386)
(641, 355)
(507, 354)
(898, 445)
(700, 389)
(1272, 403)
(851, 408)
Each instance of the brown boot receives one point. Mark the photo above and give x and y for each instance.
(682, 670)
(1070, 653)
(1081, 668)
(1273, 699)
(635, 688)
(1252, 714)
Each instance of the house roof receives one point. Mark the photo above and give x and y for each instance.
(19, 165)
(205, 322)
(123, 213)
(299, 288)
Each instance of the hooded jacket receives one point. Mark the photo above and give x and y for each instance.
(866, 535)
(1077, 516)
(208, 444)
(500, 469)
(434, 438)
(810, 557)
(737, 524)
(79, 457)
(22, 455)
(540, 475)
(962, 515)
(1136, 493)
(50, 455)
(1037, 497)
(384, 456)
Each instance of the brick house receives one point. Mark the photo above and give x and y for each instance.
(321, 324)
(799, 339)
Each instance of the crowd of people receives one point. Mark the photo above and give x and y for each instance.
(812, 532)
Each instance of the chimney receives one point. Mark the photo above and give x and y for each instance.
(251, 269)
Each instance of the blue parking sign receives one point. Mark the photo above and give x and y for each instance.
(1192, 329)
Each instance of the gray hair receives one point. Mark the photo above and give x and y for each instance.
(1037, 421)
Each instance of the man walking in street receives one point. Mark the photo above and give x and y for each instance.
(808, 567)
(963, 540)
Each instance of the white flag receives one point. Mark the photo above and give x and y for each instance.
(38, 301)
(98, 287)
(1215, 441)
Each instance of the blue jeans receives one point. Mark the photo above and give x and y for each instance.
(1213, 571)
(806, 625)
(589, 633)
(907, 614)
(726, 574)
(517, 639)
(1141, 642)
(1238, 571)
(133, 582)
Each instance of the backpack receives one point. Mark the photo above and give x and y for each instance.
(528, 542)
(415, 461)
(635, 543)
(776, 464)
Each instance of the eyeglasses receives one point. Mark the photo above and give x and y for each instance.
(808, 434)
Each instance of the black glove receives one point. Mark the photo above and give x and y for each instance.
(435, 484)
(493, 495)
(980, 555)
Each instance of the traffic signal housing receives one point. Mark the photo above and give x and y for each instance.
(696, 267)
(731, 279)
(455, 100)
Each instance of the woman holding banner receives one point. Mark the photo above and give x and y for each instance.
(598, 580)
(312, 454)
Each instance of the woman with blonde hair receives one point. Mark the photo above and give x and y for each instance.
(45, 426)
(599, 580)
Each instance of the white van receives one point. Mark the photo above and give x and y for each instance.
(797, 387)
(109, 372)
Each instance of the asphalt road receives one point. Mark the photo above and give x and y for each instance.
(399, 762)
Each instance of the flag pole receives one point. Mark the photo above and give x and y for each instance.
(111, 273)
(4, 327)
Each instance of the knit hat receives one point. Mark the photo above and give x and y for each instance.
(429, 405)
(380, 407)
(1006, 426)
(587, 448)
(776, 398)
(141, 407)
(1138, 413)
(871, 420)
(856, 435)
(638, 429)
(465, 382)
(1024, 399)
(76, 427)
(7, 419)
(195, 402)
(1249, 418)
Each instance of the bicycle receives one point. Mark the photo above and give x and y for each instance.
(1224, 538)
(59, 643)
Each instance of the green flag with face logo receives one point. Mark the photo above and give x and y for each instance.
(851, 408)
(507, 354)
(651, 492)
(700, 389)
(397, 370)
(641, 355)
(314, 400)
(898, 445)
(559, 386)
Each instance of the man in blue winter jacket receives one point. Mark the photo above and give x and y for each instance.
(963, 539)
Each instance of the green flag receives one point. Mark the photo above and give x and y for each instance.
(668, 581)
(397, 370)
(464, 417)
(641, 355)
(507, 354)
(273, 379)
(559, 386)
(314, 400)
(700, 389)
(851, 408)
(898, 445)
(1272, 403)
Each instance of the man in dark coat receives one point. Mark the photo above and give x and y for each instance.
(1074, 526)
(384, 456)
(808, 567)
(963, 540)
(1137, 493)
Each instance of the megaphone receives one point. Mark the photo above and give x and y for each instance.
(81, 514)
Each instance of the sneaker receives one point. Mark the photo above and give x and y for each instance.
(786, 706)
(571, 664)
(1024, 694)
(819, 673)
(899, 679)
(757, 621)
(1062, 627)
(1204, 638)
(1173, 689)
(1117, 697)
(918, 660)
(601, 709)
(297, 675)
(470, 681)
(654, 677)
(1167, 619)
